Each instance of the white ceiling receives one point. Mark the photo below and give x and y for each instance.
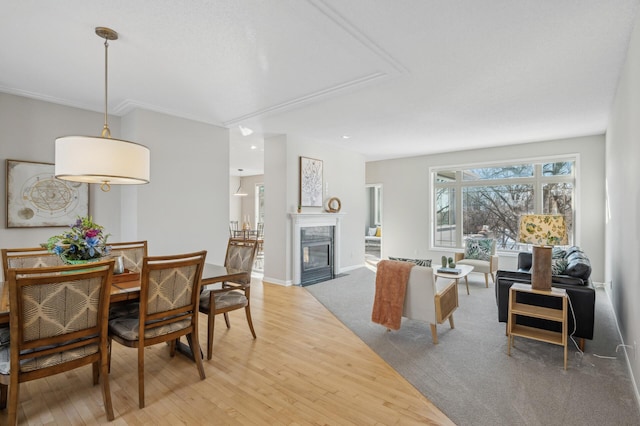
(401, 78)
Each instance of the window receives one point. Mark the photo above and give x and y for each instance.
(488, 200)
(377, 206)
(259, 203)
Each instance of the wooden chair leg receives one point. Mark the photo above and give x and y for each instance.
(106, 389)
(451, 321)
(226, 320)
(109, 343)
(247, 311)
(486, 280)
(434, 334)
(172, 347)
(14, 391)
(197, 353)
(210, 323)
(581, 342)
(96, 372)
(141, 375)
(3, 396)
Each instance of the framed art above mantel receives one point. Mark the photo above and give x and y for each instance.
(310, 182)
(35, 198)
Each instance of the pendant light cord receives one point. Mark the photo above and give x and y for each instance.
(106, 133)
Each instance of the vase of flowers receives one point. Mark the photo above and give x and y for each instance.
(84, 242)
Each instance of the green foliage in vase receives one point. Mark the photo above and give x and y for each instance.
(85, 240)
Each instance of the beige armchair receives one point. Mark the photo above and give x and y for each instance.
(426, 301)
(421, 289)
(481, 254)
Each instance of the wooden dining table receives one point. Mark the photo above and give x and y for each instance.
(130, 290)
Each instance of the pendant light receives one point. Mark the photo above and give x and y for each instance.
(102, 159)
(240, 192)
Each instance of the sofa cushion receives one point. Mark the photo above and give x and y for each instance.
(479, 248)
(419, 262)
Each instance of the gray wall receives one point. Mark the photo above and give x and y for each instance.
(407, 199)
(343, 178)
(184, 208)
(623, 183)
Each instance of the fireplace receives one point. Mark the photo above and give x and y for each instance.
(304, 221)
(316, 254)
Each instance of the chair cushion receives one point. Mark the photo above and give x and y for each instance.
(127, 328)
(419, 262)
(224, 300)
(478, 265)
(5, 360)
(124, 309)
(479, 248)
(45, 361)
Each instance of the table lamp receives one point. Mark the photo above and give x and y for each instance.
(543, 231)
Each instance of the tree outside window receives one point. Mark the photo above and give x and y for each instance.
(494, 198)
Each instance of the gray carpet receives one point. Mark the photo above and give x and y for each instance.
(469, 375)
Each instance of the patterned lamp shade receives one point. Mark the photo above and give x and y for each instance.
(543, 230)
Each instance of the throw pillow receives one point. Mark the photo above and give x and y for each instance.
(479, 248)
(419, 262)
(372, 232)
(558, 253)
(378, 232)
(558, 266)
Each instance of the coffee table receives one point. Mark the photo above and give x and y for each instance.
(464, 271)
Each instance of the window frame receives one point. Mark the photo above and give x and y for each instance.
(538, 180)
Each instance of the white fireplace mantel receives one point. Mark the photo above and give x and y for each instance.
(306, 220)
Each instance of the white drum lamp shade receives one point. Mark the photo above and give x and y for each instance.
(108, 161)
(101, 159)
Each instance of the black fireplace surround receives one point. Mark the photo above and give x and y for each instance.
(316, 254)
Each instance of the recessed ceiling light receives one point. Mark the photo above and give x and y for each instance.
(345, 136)
(254, 147)
(245, 130)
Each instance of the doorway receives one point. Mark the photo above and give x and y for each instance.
(373, 224)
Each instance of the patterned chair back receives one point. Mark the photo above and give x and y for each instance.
(36, 257)
(131, 252)
(59, 322)
(240, 255)
(170, 291)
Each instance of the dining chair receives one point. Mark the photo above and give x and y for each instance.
(132, 253)
(260, 250)
(58, 322)
(233, 228)
(169, 292)
(32, 257)
(233, 294)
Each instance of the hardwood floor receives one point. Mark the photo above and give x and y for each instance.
(305, 367)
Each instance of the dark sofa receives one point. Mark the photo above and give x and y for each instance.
(574, 272)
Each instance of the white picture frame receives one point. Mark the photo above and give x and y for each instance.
(311, 181)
